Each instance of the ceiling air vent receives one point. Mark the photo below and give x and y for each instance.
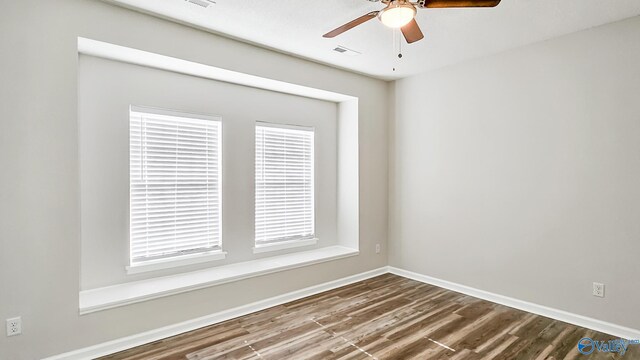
(204, 3)
(343, 50)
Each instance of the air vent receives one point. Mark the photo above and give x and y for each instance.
(346, 51)
(204, 3)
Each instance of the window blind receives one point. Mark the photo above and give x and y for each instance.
(175, 198)
(284, 184)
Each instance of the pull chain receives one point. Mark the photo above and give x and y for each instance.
(396, 35)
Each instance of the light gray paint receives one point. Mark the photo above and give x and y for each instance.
(519, 173)
(40, 198)
(107, 88)
(524, 161)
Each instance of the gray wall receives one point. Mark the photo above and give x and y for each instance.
(526, 161)
(39, 180)
(519, 173)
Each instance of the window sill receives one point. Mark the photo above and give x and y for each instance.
(284, 245)
(133, 292)
(176, 262)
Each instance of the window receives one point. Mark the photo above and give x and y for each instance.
(175, 185)
(284, 184)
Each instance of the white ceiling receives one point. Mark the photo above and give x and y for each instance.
(451, 35)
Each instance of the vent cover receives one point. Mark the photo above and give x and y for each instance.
(346, 51)
(204, 3)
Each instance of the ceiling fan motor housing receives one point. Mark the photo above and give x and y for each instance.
(397, 13)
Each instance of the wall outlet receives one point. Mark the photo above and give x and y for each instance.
(598, 289)
(14, 326)
(377, 248)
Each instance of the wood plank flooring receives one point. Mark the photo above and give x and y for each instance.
(386, 317)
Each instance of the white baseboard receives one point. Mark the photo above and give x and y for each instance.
(128, 342)
(171, 330)
(575, 319)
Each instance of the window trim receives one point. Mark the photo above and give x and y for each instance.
(299, 241)
(178, 260)
(283, 245)
(132, 292)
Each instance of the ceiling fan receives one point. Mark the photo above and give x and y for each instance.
(401, 14)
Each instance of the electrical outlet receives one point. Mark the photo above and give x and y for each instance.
(598, 289)
(377, 248)
(14, 326)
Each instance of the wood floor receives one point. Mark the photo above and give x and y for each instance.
(386, 317)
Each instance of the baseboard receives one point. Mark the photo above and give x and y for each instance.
(575, 319)
(128, 342)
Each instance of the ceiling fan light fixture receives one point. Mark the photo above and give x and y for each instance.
(397, 14)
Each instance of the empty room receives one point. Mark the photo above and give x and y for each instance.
(337, 179)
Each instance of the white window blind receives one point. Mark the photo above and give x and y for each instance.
(284, 184)
(175, 197)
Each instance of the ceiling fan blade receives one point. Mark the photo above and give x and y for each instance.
(351, 24)
(460, 3)
(412, 32)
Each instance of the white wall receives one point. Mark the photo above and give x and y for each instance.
(519, 173)
(107, 88)
(39, 177)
